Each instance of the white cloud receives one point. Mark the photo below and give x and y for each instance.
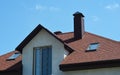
(40, 7)
(46, 8)
(112, 6)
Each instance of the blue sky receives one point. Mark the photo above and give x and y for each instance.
(19, 17)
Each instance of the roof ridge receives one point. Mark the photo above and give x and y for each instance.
(94, 35)
(104, 37)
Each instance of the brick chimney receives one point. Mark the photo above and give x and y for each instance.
(78, 25)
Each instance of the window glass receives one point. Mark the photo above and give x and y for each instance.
(42, 61)
(14, 56)
(93, 46)
(38, 58)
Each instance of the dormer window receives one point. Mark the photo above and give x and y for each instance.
(93, 47)
(14, 56)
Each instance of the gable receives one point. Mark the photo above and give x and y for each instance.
(33, 34)
(42, 39)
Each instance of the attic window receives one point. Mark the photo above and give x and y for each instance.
(14, 56)
(92, 47)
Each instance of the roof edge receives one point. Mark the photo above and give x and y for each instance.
(28, 38)
(90, 65)
(33, 34)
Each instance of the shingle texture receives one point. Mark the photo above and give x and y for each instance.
(9, 65)
(107, 50)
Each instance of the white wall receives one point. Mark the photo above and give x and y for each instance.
(43, 38)
(102, 71)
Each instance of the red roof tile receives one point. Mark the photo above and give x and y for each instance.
(107, 50)
(7, 65)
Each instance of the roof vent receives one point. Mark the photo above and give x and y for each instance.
(57, 32)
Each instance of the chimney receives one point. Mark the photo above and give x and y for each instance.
(78, 25)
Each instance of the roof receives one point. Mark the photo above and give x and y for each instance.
(9, 65)
(107, 54)
(108, 49)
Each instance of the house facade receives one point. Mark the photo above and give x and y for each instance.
(73, 53)
(35, 49)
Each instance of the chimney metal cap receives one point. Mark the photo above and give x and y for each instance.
(78, 13)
